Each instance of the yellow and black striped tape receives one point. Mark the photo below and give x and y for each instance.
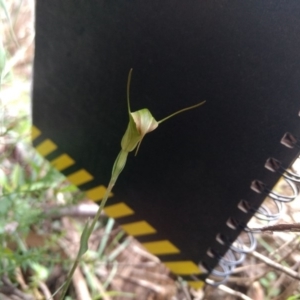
(118, 210)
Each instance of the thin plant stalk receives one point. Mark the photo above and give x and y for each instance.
(141, 122)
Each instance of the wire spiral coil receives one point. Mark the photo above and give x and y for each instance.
(237, 249)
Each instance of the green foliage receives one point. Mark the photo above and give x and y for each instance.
(27, 185)
(268, 283)
(295, 297)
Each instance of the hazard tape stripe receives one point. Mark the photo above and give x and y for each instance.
(138, 228)
(97, 193)
(80, 177)
(118, 210)
(62, 162)
(46, 147)
(183, 267)
(196, 284)
(35, 132)
(161, 247)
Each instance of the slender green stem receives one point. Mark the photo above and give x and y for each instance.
(69, 278)
(131, 139)
(117, 169)
(128, 90)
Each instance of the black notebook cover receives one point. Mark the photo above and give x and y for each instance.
(176, 195)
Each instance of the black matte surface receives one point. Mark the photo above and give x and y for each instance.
(243, 57)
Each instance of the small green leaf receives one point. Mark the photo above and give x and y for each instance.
(264, 282)
(41, 272)
(17, 176)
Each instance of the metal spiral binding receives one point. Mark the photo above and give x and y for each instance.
(238, 250)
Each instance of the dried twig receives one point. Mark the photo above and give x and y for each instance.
(230, 291)
(44, 288)
(80, 286)
(287, 243)
(288, 290)
(9, 289)
(276, 265)
(158, 289)
(93, 281)
(79, 210)
(294, 227)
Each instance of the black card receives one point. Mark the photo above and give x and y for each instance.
(190, 174)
